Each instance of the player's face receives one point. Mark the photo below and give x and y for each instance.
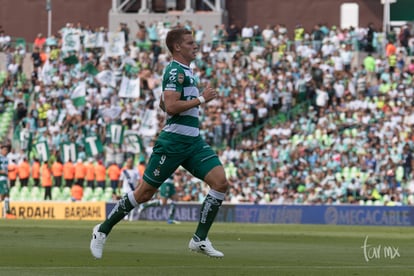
(188, 48)
(4, 151)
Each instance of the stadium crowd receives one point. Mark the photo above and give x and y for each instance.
(351, 142)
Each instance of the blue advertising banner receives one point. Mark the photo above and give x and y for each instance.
(290, 214)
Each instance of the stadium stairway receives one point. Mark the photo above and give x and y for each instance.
(6, 119)
(33, 193)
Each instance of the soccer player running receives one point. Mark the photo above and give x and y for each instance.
(179, 143)
(167, 196)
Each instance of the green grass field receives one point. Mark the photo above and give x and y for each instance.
(156, 248)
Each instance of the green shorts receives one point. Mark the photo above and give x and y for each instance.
(167, 189)
(197, 157)
(4, 188)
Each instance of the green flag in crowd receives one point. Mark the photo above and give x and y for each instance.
(42, 151)
(70, 60)
(93, 146)
(78, 94)
(25, 140)
(68, 152)
(90, 69)
(117, 133)
(133, 142)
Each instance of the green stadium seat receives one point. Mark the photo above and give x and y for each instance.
(354, 172)
(378, 203)
(66, 191)
(354, 132)
(34, 193)
(410, 199)
(14, 193)
(24, 189)
(363, 176)
(107, 196)
(318, 134)
(55, 193)
(98, 192)
(338, 176)
(40, 196)
(87, 194)
(94, 199)
(108, 189)
(295, 139)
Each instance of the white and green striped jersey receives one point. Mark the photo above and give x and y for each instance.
(4, 163)
(184, 126)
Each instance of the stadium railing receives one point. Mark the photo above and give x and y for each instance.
(281, 117)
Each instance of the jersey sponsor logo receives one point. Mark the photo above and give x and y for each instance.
(173, 75)
(180, 78)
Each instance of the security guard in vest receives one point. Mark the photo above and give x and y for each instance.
(299, 35)
(392, 62)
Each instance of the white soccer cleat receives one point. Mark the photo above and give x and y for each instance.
(204, 247)
(97, 242)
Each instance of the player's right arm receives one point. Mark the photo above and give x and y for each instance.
(171, 101)
(174, 105)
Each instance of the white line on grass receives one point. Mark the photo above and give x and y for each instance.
(209, 267)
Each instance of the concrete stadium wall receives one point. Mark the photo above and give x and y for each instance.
(206, 19)
(26, 18)
(305, 12)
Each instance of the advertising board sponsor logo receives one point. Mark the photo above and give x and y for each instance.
(59, 210)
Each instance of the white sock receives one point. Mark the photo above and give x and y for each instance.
(131, 198)
(216, 194)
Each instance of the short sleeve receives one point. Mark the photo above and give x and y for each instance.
(173, 79)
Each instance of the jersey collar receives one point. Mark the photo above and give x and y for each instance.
(182, 65)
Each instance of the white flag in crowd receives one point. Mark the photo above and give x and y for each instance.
(42, 151)
(47, 73)
(130, 88)
(68, 152)
(94, 40)
(71, 42)
(25, 139)
(132, 141)
(106, 77)
(115, 45)
(117, 133)
(79, 94)
(111, 113)
(149, 123)
(93, 146)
